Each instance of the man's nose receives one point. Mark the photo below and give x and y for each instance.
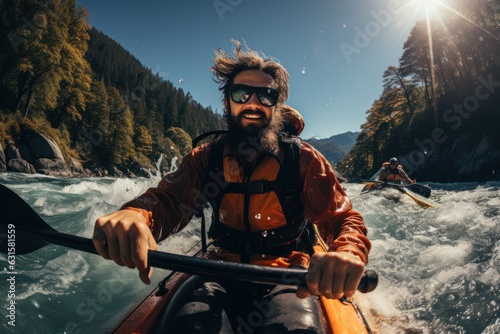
(254, 100)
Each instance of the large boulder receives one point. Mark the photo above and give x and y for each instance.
(11, 151)
(20, 166)
(15, 162)
(42, 146)
(478, 162)
(45, 154)
(35, 152)
(55, 167)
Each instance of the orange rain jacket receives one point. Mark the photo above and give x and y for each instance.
(174, 200)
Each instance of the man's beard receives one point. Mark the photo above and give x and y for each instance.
(261, 138)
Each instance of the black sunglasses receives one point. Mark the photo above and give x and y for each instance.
(239, 93)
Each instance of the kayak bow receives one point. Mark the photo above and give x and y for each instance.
(407, 189)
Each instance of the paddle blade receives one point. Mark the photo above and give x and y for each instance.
(420, 189)
(420, 202)
(17, 221)
(370, 186)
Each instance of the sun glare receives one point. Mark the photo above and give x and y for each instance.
(428, 8)
(431, 2)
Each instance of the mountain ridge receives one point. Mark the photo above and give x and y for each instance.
(336, 147)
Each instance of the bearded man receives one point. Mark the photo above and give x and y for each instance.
(264, 191)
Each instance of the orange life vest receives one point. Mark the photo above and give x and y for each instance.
(392, 174)
(257, 211)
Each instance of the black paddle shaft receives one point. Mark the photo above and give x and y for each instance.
(31, 232)
(245, 272)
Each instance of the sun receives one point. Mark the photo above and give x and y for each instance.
(431, 2)
(428, 8)
(434, 7)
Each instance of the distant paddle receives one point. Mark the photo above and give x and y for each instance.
(403, 188)
(418, 189)
(23, 231)
(421, 203)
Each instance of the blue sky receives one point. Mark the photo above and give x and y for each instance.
(335, 50)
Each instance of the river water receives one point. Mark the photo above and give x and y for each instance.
(439, 268)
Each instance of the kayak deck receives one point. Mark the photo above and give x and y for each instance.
(340, 316)
(145, 317)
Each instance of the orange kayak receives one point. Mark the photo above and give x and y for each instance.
(340, 316)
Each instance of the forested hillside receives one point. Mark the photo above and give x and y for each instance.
(76, 85)
(440, 108)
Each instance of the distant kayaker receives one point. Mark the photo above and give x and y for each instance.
(393, 172)
(263, 190)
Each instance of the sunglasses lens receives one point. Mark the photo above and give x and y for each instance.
(242, 93)
(268, 96)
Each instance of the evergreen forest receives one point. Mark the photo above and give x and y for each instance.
(439, 111)
(71, 82)
(103, 107)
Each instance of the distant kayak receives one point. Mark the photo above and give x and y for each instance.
(417, 192)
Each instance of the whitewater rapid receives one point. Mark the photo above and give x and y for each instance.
(439, 268)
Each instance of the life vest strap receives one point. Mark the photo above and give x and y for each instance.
(279, 241)
(254, 187)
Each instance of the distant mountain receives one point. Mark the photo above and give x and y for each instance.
(336, 147)
(345, 141)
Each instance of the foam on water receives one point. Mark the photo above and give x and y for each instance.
(105, 198)
(439, 268)
(56, 277)
(440, 257)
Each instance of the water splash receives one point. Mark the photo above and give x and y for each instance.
(437, 266)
